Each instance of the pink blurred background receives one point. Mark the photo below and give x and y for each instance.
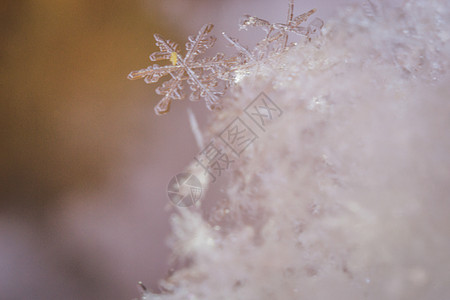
(85, 162)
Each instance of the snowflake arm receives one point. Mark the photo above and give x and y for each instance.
(241, 49)
(153, 73)
(167, 48)
(200, 43)
(172, 91)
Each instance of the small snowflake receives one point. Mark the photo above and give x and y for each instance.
(278, 33)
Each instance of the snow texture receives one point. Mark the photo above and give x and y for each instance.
(346, 195)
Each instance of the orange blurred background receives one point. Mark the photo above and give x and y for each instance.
(84, 160)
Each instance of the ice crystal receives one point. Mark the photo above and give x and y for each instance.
(203, 76)
(277, 34)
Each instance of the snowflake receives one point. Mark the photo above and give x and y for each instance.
(278, 33)
(274, 42)
(208, 78)
(203, 76)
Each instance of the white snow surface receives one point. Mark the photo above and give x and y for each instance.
(347, 194)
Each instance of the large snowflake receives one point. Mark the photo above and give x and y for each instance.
(203, 76)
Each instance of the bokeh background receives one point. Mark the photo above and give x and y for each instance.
(84, 161)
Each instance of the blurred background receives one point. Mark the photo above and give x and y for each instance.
(84, 161)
